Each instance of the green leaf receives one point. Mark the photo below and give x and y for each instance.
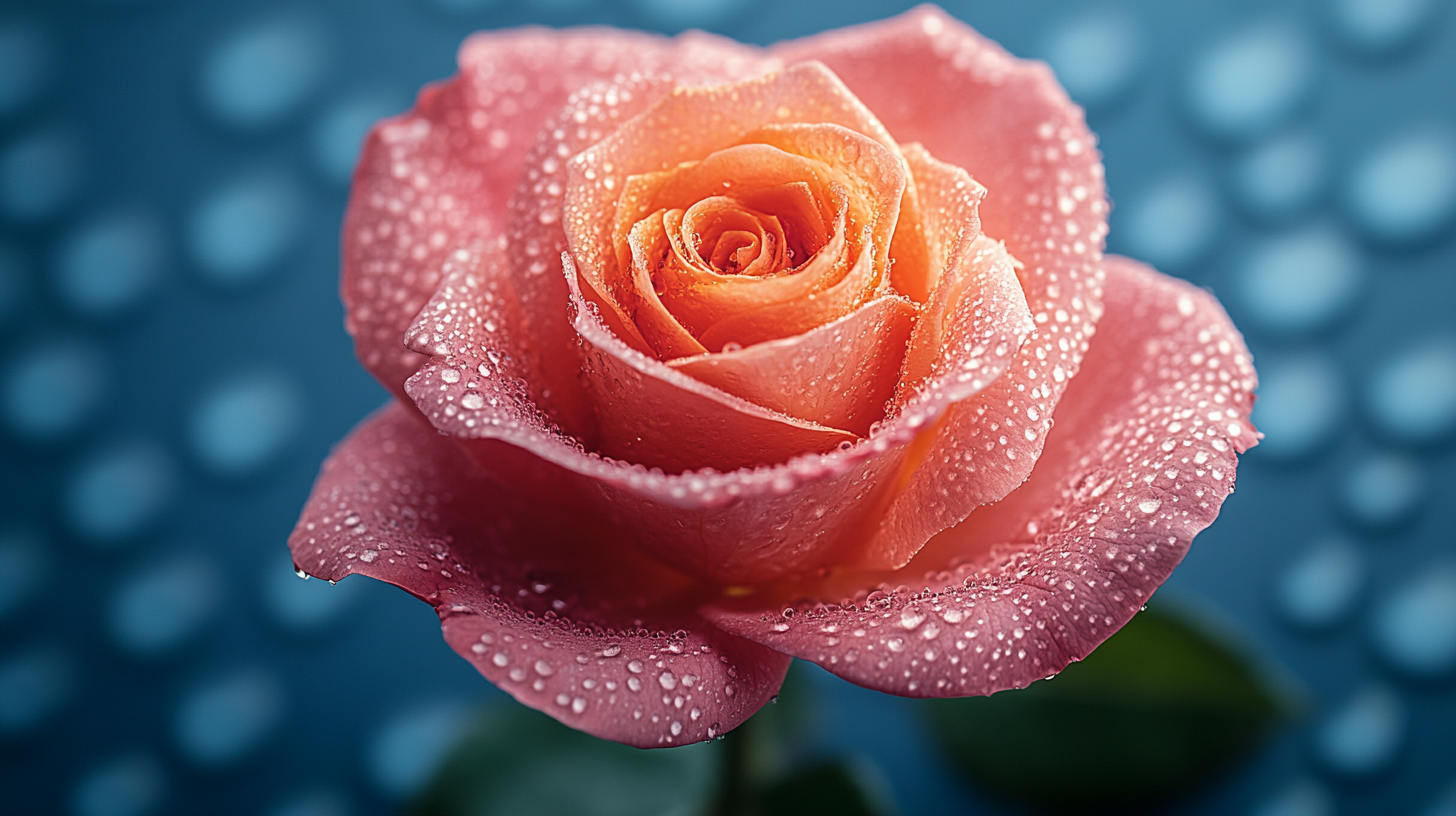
(519, 762)
(1158, 709)
(827, 789)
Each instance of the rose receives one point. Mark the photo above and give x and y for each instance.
(730, 357)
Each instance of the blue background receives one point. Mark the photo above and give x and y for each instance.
(173, 370)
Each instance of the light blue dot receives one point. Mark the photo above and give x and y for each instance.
(1096, 58)
(244, 228)
(339, 133)
(33, 685)
(409, 748)
(1301, 404)
(1321, 587)
(157, 610)
(111, 263)
(1172, 224)
(1252, 83)
(1363, 735)
(1382, 27)
(1304, 797)
(23, 567)
(12, 283)
(40, 175)
(118, 491)
(463, 6)
(263, 73)
(242, 424)
(1415, 627)
(1301, 282)
(1282, 178)
(1383, 490)
(305, 604)
(314, 803)
(1444, 804)
(1413, 396)
(52, 390)
(675, 15)
(1404, 192)
(225, 720)
(24, 63)
(133, 785)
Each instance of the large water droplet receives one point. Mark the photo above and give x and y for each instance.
(132, 785)
(1251, 83)
(1302, 282)
(243, 229)
(120, 490)
(1364, 734)
(225, 720)
(261, 74)
(1412, 397)
(111, 263)
(1415, 627)
(243, 423)
(1404, 192)
(1301, 404)
(1096, 57)
(158, 609)
(1321, 587)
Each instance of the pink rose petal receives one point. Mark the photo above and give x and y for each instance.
(931, 79)
(1141, 458)
(545, 604)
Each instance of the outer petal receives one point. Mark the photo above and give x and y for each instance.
(1140, 461)
(546, 605)
(931, 79)
(439, 178)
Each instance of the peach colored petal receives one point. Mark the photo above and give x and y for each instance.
(931, 79)
(1141, 458)
(839, 375)
(438, 178)
(539, 601)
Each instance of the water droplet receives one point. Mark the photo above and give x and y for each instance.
(132, 785)
(1301, 282)
(668, 680)
(911, 617)
(1415, 626)
(1413, 396)
(1404, 192)
(1301, 405)
(261, 74)
(225, 720)
(244, 228)
(243, 423)
(110, 263)
(1149, 506)
(1251, 83)
(1363, 735)
(1320, 588)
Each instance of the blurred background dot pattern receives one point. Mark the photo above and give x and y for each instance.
(173, 371)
